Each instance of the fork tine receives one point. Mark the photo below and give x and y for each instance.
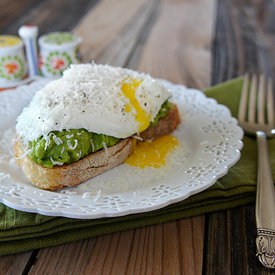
(252, 100)
(243, 100)
(261, 100)
(270, 103)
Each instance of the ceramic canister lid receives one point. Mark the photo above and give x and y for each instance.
(59, 40)
(8, 42)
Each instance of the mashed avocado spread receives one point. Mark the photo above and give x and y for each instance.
(71, 145)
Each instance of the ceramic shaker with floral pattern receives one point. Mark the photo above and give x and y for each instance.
(13, 65)
(57, 50)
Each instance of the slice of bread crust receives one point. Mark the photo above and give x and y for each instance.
(165, 125)
(71, 175)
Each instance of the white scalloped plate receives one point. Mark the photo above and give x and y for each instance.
(210, 143)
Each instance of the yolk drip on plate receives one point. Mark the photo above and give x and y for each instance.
(128, 89)
(152, 154)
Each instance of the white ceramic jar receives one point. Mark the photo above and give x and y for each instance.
(57, 50)
(13, 65)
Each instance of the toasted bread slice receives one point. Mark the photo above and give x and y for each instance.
(165, 125)
(92, 165)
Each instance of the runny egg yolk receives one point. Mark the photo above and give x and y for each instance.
(128, 90)
(152, 154)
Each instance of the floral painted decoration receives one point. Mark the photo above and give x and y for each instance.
(11, 68)
(57, 62)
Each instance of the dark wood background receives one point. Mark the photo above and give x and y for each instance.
(242, 40)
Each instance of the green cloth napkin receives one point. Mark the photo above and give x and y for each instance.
(21, 231)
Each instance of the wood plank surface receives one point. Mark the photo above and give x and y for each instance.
(10, 11)
(17, 263)
(109, 37)
(48, 15)
(242, 27)
(161, 249)
(248, 29)
(180, 50)
(193, 42)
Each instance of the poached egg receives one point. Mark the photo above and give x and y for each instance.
(103, 99)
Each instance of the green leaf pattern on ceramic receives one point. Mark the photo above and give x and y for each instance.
(59, 38)
(11, 68)
(57, 62)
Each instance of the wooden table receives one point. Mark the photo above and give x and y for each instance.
(193, 42)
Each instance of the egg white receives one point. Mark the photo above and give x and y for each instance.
(89, 96)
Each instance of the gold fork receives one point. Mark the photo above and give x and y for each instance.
(256, 116)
